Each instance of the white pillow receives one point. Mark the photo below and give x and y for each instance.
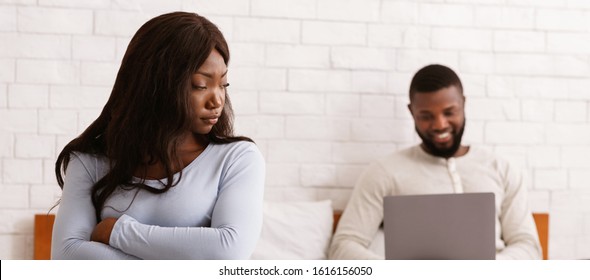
(295, 231)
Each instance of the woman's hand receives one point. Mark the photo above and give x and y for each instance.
(102, 231)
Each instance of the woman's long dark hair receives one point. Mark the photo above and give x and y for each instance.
(148, 110)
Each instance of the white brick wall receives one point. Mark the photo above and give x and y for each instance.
(462, 39)
(568, 42)
(399, 12)
(342, 105)
(14, 196)
(384, 35)
(378, 106)
(562, 20)
(97, 4)
(47, 71)
(220, 7)
(18, 120)
(267, 30)
(519, 41)
(78, 96)
(333, 33)
(300, 9)
(364, 10)
(93, 48)
(118, 22)
(321, 86)
(298, 56)
(22, 171)
(7, 19)
(54, 20)
(3, 96)
(544, 156)
(13, 246)
(480, 108)
(409, 60)
(363, 58)
(58, 121)
(505, 17)
(6, 145)
(320, 80)
(579, 179)
(259, 78)
(571, 111)
(514, 133)
(369, 81)
(318, 175)
(292, 103)
(282, 175)
(445, 14)
(315, 128)
(28, 96)
(35, 146)
(7, 70)
(27, 45)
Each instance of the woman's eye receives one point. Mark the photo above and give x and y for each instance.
(225, 85)
(199, 87)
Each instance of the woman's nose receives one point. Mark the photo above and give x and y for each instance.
(216, 99)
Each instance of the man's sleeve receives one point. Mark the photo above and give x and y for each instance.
(518, 226)
(362, 216)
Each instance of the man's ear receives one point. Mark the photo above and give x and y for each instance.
(410, 109)
(464, 99)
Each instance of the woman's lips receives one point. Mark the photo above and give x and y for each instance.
(210, 120)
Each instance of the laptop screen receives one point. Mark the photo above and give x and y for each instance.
(440, 226)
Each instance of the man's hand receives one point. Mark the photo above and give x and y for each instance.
(102, 231)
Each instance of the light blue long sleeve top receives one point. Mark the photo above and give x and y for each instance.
(214, 212)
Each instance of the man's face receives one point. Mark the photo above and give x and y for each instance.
(439, 118)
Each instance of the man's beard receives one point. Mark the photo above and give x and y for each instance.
(443, 152)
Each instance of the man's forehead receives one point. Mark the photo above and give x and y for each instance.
(446, 96)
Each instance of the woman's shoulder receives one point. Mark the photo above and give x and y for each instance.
(230, 152)
(96, 165)
(237, 147)
(88, 158)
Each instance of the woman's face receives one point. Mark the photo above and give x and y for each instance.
(208, 93)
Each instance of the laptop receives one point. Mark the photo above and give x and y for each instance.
(440, 227)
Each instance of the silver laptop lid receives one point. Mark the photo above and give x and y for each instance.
(440, 226)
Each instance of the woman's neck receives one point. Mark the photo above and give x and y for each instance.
(191, 143)
(189, 148)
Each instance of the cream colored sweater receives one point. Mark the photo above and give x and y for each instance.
(413, 171)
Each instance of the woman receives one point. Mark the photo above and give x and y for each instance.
(159, 174)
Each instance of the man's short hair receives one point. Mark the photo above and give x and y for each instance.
(434, 77)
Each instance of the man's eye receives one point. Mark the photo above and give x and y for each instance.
(225, 85)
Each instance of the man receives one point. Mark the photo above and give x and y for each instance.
(440, 164)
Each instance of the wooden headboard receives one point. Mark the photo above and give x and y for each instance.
(43, 231)
(44, 228)
(542, 222)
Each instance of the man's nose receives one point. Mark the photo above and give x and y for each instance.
(440, 123)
